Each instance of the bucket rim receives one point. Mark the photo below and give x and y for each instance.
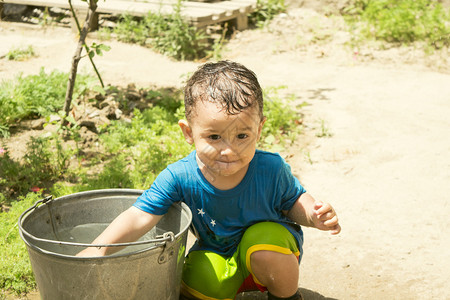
(160, 241)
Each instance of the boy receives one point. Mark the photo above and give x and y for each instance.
(247, 206)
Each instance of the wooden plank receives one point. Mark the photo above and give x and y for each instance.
(230, 8)
(224, 5)
(198, 13)
(152, 4)
(48, 3)
(119, 7)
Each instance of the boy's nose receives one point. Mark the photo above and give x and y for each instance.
(227, 149)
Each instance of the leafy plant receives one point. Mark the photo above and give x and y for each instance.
(45, 162)
(20, 53)
(131, 30)
(151, 142)
(324, 130)
(282, 125)
(215, 53)
(169, 34)
(402, 21)
(265, 11)
(35, 96)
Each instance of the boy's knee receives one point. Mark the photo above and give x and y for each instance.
(277, 271)
(261, 257)
(273, 260)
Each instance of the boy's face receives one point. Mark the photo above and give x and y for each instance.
(225, 143)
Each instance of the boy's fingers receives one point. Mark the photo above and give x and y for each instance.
(331, 222)
(336, 229)
(323, 208)
(326, 216)
(318, 205)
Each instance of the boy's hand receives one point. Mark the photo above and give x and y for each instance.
(324, 217)
(309, 212)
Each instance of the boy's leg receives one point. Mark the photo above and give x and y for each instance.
(208, 275)
(277, 271)
(271, 256)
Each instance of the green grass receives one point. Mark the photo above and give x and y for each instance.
(401, 21)
(133, 154)
(323, 130)
(20, 53)
(41, 95)
(46, 161)
(15, 269)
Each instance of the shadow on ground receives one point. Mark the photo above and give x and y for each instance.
(307, 295)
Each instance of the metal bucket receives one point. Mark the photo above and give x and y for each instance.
(54, 230)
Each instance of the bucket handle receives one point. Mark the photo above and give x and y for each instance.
(166, 237)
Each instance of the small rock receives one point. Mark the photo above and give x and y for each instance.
(46, 134)
(37, 124)
(54, 118)
(133, 96)
(109, 101)
(118, 113)
(38, 13)
(94, 114)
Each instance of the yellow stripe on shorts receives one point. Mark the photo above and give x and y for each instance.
(266, 247)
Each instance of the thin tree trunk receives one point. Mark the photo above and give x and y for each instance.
(77, 56)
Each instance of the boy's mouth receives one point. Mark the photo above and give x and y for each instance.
(225, 165)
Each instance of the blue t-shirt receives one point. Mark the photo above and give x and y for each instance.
(221, 217)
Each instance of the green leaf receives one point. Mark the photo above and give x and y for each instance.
(104, 47)
(99, 89)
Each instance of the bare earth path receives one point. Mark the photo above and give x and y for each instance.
(386, 167)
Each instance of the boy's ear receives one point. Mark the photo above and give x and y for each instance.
(260, 127)
(187, 131)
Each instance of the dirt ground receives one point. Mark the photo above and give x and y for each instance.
(385, 165)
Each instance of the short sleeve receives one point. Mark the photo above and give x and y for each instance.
(288, 186)
(161, 195)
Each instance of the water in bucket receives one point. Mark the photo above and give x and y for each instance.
(86, 233)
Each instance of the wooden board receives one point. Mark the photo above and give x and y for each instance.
(200, 14)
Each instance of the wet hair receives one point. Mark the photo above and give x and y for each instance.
(226, 83)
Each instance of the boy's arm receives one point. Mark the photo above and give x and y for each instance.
(127, 227)
(311, 213)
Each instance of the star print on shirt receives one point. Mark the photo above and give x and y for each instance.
(201, 212)
(213, 223)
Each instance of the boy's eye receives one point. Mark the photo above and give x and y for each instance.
(214, 137)
(242, 136)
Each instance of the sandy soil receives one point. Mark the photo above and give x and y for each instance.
(385, 167)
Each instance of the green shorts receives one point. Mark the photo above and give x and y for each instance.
(208, 275)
